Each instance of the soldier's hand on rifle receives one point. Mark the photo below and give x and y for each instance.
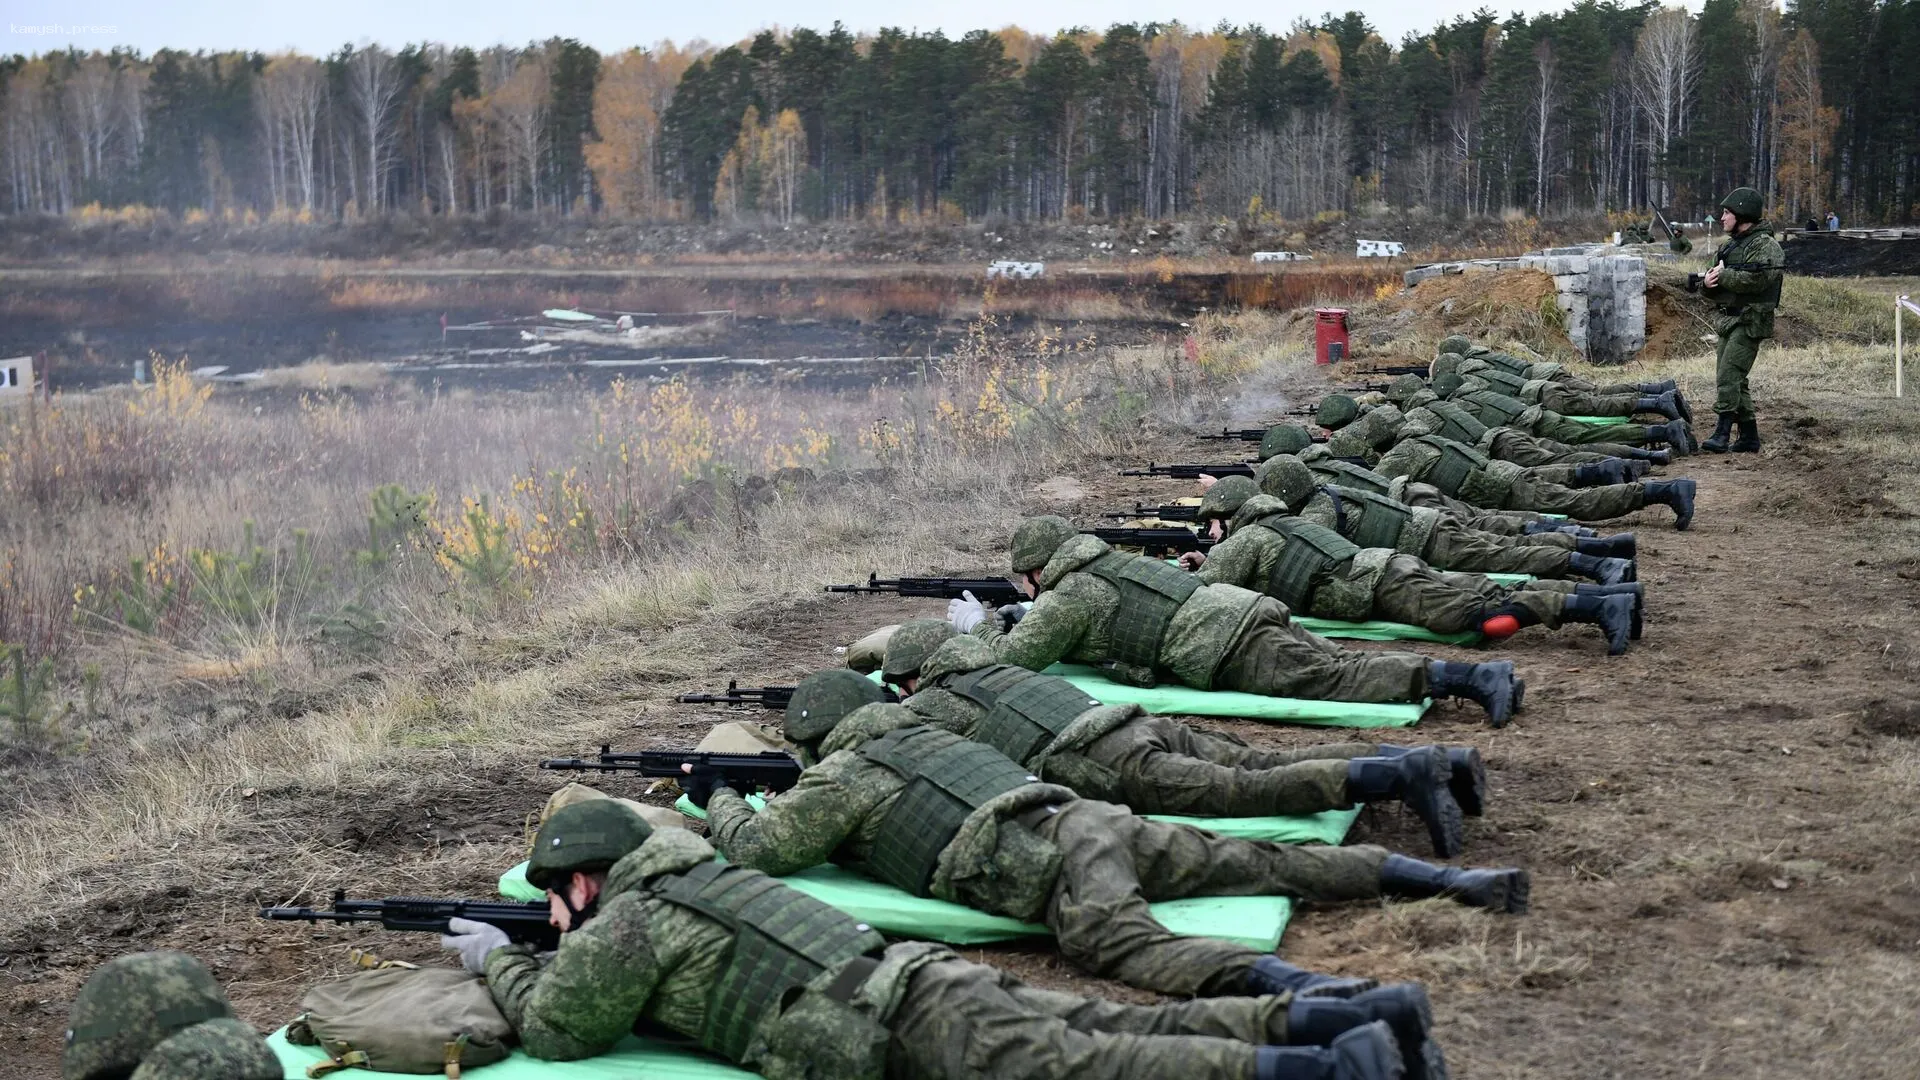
(1192, 560)
(473, 941)
(966, 612)
(1207, 481)
(700, 782)
(1713, 276)
(1010, 616)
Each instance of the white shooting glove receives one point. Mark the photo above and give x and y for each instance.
(966, 612)
(473, 941)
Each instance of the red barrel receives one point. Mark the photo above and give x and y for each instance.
(1329, 335)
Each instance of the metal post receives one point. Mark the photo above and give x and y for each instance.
(1899, 345)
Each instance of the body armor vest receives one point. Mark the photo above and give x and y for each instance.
(948, 778)
(1457, 423)
(1503, 382)
(1457, 463)
(1026, 710)
(1368, 519)
(1351, 476)
(1311, 551)
(1494, 410)
(1150, 592)
(782, 939)
(1508, 363)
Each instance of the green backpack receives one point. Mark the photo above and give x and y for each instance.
(400, 1019)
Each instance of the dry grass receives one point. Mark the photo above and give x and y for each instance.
(465, 675)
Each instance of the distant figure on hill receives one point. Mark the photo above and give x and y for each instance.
(1833, 221)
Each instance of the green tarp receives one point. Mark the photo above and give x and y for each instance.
(1184, 701)
(1601, 419)
(633, 1058)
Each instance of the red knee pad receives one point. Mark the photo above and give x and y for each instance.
(1500, 626)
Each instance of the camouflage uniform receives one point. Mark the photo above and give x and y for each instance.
(1377, 429)
(1086, 869)
(1221, 638)
(648, 958)
(1370, 583)
(1150, 764)
(160, 1016)
(1746, 299)
(1509, 487)
(1504, 443)
(1449, 544)
(1506, 523)
(1499, 410)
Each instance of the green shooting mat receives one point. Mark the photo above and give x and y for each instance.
(1256, 921)
(633, 1057)
(1601, 419)
(1173, 700)
(1382, 631)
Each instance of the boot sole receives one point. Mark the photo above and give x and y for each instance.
(1512, 895)
(1441, 812)
(1414, 1032)
(1468, 781)
(1370, 1057)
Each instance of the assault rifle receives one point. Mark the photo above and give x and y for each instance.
(524, 923)
(1156, 541)
(769, 770)
(1248, 434)
(1193, 472)
(995, 591)
(1393, 369)
(1660, 219)
(1169, 512)
(767, 697)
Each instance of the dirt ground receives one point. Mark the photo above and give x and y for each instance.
(1719, 824)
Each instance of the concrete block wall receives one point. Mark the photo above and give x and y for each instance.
(1601, 291)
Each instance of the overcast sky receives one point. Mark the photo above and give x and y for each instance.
(269, 25)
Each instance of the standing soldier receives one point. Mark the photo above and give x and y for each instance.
(1745, 283)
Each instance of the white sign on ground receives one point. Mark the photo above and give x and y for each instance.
(1280, 256)
(1022, 271)
(16, 375)
(1372, 249)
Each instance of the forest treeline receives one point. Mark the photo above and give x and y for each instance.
(1600, 107)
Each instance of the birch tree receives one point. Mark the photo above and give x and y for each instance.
(1666, 69)
(373, 94)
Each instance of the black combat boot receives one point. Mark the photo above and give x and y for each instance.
(1466, 776)
(1369, 1052)
(1652, 457)
(1612, 614)
(1749, 440)
(1660, 387)
(1606, 571)
(1617, 546)
(1680, 402)
(1599, 473)
(1272, 975)
(1664, 404)
(1403, 1007)
(1722, 432)
(1419, 779)
(1535, 528)
(1490, 685)
(1676, 434)
(1633, 589)
(1501, 890)
(1675, 493)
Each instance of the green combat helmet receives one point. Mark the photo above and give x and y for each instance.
(909, 647)
(1037, 538)
(1455, 343)
(1445, 385)
(1284, 439)
(131, 1005)
(1287, 479)
(224, 1049)
(824, 698)
(1225, 498)
(1404, 387)
(585, 837)
(1336, 411)
(1746, 203)
(1447, 363)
